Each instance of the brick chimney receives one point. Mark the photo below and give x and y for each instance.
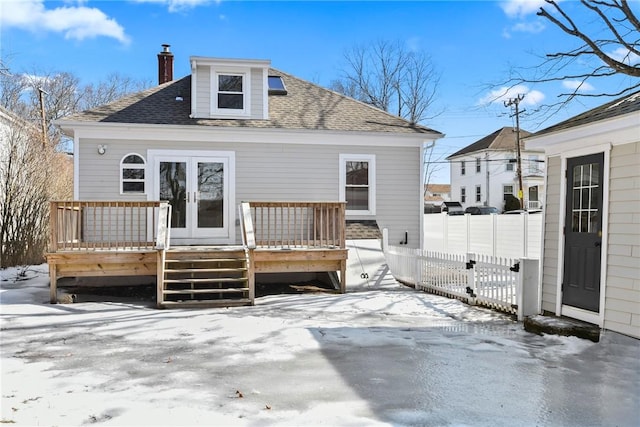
(165, 65)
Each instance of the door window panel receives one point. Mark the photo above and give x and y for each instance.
(586, 198)
(173, 188)
(210, 195)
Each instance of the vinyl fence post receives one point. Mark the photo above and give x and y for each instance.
(471, 278)
(527, 292)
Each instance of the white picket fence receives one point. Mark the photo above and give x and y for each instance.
(495, 235)
(505, 284)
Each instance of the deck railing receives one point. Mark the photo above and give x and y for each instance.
(103, 225)
(292, 225)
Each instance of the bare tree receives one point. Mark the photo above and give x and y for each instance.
(608, 45)
(33, 172)
(390, 77)
(64, 95)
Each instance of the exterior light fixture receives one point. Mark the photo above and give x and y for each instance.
(102, 149)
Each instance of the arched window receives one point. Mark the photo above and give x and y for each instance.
(132, 169)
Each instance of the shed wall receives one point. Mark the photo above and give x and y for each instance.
(622, 293)
(551, 232)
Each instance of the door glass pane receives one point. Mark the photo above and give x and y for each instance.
(210, 195)
(585, 202)
(173, 188)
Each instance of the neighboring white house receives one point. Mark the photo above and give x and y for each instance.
(591, 247)
(238, 130)
(485, 172)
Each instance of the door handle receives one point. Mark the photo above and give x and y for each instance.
(598, 244)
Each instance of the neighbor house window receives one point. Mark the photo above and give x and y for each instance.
(506, 191)
(358, 184)
(510, 162)
(477, 164)
(463, 195)
(230, 93)
(463, 167)
(478, 193)
(132, 170)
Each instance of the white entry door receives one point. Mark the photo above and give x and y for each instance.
(198, 189)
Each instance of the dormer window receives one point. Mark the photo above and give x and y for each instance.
(229, 88)
(230, 95)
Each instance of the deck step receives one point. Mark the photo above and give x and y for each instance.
(201, 260)
(207, 303)
(204, 291)
(205, 270)
(205, 278)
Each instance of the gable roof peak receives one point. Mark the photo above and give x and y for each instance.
(503, 139)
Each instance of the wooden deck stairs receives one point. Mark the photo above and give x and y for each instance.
(200, 277)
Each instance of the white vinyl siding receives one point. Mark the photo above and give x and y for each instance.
(622, 299)
(552, 218)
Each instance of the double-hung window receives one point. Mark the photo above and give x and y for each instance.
(506, 191)
(463, 167)
(230, 93)
(478, 167)
(132, 170)
(358, 183)
(478, 193)
(463, 195)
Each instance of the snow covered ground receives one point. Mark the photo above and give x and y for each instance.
(382, 354)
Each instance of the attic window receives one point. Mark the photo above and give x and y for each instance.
(276, 86)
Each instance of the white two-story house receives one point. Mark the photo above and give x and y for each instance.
(485, 173)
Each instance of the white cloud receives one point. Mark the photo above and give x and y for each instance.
(623, 55)
(529, 27)
(75, 22)
(577, 85)
(521, 8)
(179, 5)
(500, 95)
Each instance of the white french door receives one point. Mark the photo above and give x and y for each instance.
(198, 187)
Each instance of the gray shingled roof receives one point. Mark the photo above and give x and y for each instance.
(305, 106)
(502, 139)
(626, 104)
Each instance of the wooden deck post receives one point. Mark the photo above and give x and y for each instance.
(160, 278)
(53, 283)
(343, 276)
(251, 276)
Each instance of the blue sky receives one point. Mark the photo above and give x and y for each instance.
(472, 44)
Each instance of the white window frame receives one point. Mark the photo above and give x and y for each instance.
(478, 193)
(142, 166)
(463, 195)
(478, 165)
(463, 167)
(246, 90)
(504, 192)
(510, 165)
(369, 158)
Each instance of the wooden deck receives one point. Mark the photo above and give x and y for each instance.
(291, 237)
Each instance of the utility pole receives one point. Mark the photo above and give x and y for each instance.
(516, 103)
(41, 94)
